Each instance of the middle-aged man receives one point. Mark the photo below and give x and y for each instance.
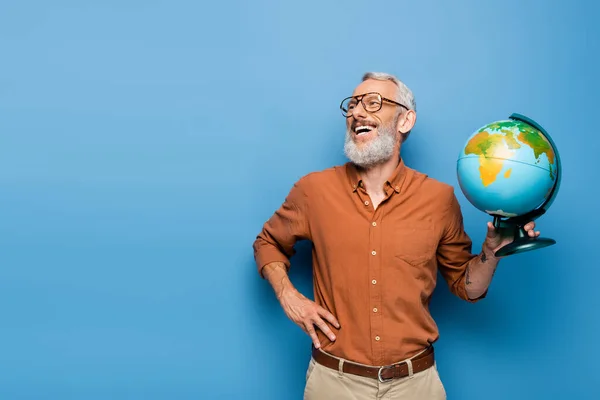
(380, 232)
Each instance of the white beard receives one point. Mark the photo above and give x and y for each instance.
(377, 151)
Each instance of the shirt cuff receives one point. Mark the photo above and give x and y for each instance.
(270, 255)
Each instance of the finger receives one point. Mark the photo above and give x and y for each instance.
(537, 233)
(529, 226)
(491, 230)
(313, 335)
(531, 233)
(323, 326)
(328, 316)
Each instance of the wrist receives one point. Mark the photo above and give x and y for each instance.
(286, 290)
(488, 254)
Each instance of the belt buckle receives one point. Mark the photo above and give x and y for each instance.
(380, 378)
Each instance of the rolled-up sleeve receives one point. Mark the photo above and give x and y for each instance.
(287, 226)
(454, 250)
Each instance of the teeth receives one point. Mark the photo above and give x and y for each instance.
(361, 130)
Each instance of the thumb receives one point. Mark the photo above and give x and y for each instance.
(491, 230)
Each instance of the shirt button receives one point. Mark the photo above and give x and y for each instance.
(377, 338)
(374, 223)
(397, 188)
(373, 281)
(375, 309)
(373, 252)
(367, 203)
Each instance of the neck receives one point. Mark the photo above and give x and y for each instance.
(375, 177)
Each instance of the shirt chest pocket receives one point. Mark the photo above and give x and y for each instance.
(415, 244)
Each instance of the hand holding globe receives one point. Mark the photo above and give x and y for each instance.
(497, 239)
(511, 170)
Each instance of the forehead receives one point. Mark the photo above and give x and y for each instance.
(385, 88)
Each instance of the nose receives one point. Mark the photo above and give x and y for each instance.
(359, 111)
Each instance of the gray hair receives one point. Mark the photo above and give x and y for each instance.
(404, 94)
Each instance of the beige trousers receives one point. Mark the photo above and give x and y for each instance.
(323, 383)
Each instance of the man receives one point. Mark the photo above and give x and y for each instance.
(380, 232)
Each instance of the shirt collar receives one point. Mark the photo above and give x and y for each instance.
(394, 182)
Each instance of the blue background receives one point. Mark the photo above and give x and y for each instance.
(144, 144)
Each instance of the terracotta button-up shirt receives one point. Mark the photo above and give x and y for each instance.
(375, 269)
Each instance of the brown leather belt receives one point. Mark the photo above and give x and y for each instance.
(384, 373)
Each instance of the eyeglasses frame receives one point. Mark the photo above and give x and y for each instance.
(360, 97)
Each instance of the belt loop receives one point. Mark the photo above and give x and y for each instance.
(410, 368)
(341, 367)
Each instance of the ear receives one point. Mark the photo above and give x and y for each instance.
(407, 122)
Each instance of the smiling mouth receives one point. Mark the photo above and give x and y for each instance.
(363, 129)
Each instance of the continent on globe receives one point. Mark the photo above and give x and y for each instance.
(492, 150)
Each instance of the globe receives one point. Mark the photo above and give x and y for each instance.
(510, 169)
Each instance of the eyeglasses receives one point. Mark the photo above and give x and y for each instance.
(371, 102)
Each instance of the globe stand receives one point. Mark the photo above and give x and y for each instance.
(522, 241)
